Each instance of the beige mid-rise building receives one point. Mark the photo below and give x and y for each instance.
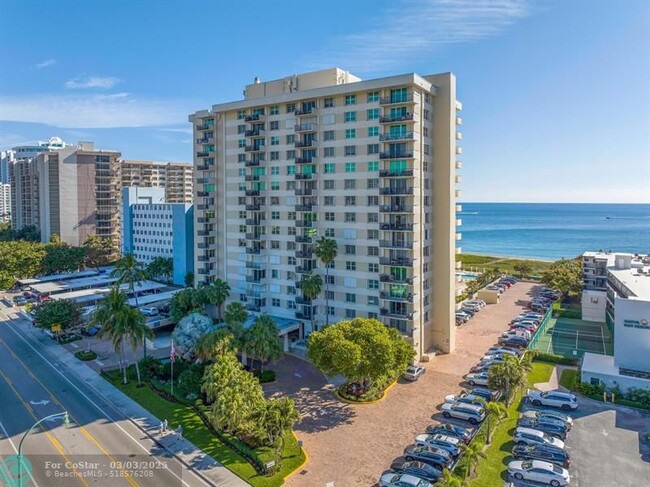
(369, 163)
(175, 177)
(24, 194)
(5, 202)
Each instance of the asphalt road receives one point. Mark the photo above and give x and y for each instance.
(100, 447)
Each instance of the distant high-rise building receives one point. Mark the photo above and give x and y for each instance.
(32, 150)
(175, 177)
(24, 194)
(5, 202)
(371, 164)
(6, 159)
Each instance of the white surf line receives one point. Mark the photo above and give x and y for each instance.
(99, 408)
(16, 450)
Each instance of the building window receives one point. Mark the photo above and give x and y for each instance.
(350, 184)
(275, 140)
(275, 215)
(291, 185)
(241, 157)
(291, 139)
(241, 114)
(329, 119)
(350, 250)
(242, 228)
(426, 149)
(330, 233)
(328, 184)
(373, 234)
(373, 268)
(350, 265)
(291, 260)
(328, 152)
(374, 251)
(329, 201)
(275, 200)
(373, 131)
(373, 148)
(350, 116)
(373, 284)
(373, 114)
(350, 150)
(328, 135)
(373, 200)
(291, 154)
(331, 310)
(350, 99)
(275, 185)
(426, 114)
(275, 302)
(350, 167)
(373, 300)
(241, 143)
(242, 214)
(350, 313)
(241, 129)
(275, 156)
(274, 125)
(291, 107)
(350, 133)
(350, 201)
(275, 244)
(328, 102)
(373, 217)
(329, 168)
(274, 110)
(425, 131)
(373, 96)
(275, 230)
(291, 216)
(329, 216)
(350, 217)
(350, 298)
(291, 170)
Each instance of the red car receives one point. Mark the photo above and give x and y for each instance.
(525, 326)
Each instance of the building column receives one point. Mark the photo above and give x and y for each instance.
(285, 342)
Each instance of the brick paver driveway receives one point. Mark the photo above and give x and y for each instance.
(351, 445)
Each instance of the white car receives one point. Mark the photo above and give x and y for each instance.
(549, 417)
(469, 412)
(464, 398)
(479, 378)
(438, 440)
(391, 479)
(529, 436)
(413, 372)
(557, 399)
(539, 471)
(149, 311)
(518, 332)
(503, 350)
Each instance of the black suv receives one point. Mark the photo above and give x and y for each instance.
(557, 430)
(437, 457)
(542, 452)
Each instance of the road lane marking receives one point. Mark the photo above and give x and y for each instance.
(54, 442)
(142, 447)
(16, 450)
(85, 432)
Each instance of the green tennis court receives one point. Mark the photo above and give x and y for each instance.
(572, 338)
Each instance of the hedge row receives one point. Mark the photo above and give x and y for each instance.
(556, 359)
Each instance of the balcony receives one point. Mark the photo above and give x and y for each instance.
(254, 118)
(251, 178)
(202, 167)
(304, 223)
(306, 111)
(205, 127)
(303, 192)
(205, 219)
(203, 245)
(205, 233)
(305, 143)
(459, 165)
(253, 207)
(304, 160)
(459, 121)
(396, 280)
(396, 174)
(459, 136)
(459, 208)
(304, 254)
(396, 155)
(396, 244)
(252, 192)
(306, 127)
(407, 298)
(253, 133)
(299, 176)
(459, 150)
(205, 140)
(253, 307)
(303, 316)
(392, 137)
(396, 191)
(254, 236)
(395, 100)
(203, 154)
(458, 193)
(255, 279)
(253, 250)
(302, 269)
(304, 207)
(253, 221)
(459, 250)
(303, 300)
(459, 236)
(399, 227)
(255, 148)
(399, 262)
(252, 163)
(400, 315)
(396, 118)
(303, 239)
(459, 222)
(395, 209)
(459, 179)
(253, 265)
(203, 258)
(202, 194)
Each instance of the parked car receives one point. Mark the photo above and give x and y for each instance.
(503, 287)
(542, 452)
(468, 412)
(558, 430)
(518, 332)
(149, 310)
(417, 469)
(482, 366)
(525, 326)
(437, 457)
(538, 307)
(463, 398)
(460, 320)
(504, 350)
(413, 372)
(549, 417)
(493, 357)
(479, 378)
(392, 479)
(492, 287)
(467, 312)
(478, 302)
(92, 331)
(474, 307)
(438, 440)
(507, 284)
(557, 399)
(539, 471)
(513, 341)
(450, 430)
(520, 318)
(485, 393)
(465, 315)
(528, 436)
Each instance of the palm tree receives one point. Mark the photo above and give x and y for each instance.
(130, 272)
(494, 410)
(507, 376)
(326, 250)
(136, 332)
(449, 480)
(217, 293)
(108, 316)
(224, 371)
(473, 454)
(262, 341)
(214, 344)
(235, 316)
(311, 286)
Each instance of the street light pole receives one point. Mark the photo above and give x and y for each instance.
(66, 420)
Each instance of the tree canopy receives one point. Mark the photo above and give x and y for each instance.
(362, 350)
(262, 341)
(186, 301)
(20, 259)
(565, 276)
(98, 250)
(64, 312)
(60, 257)
(161, 268)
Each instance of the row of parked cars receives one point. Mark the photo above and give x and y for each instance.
(468, 310)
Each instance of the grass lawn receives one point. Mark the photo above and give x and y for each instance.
(492, 470)
(504, 264)
(568, 378)
(196, 432)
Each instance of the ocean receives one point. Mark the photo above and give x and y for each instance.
(551, 231)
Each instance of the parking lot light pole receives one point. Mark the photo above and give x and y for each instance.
(66, 420)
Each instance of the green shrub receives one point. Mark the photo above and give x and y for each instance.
(190, 380)
(265, 376)
(556, 359)
(151, 367)
(85, 355)
(638, 396)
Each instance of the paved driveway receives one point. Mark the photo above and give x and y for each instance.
(351, 445)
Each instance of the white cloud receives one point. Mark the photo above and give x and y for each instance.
(95, 111)
(417, 28)
(102, 82)
(179, 130)
(46, 64)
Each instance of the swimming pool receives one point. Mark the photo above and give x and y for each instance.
(466, 277)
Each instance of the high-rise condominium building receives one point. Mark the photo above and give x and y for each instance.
(5, 202)
(6, 159)
(175, 177)
(371, 164)
(24, 194)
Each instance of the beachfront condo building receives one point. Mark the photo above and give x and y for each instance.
(5, 203)
(175, 177)
(369, 163)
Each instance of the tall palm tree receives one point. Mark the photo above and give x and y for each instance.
(507, 376)
(311, 286)
(473, 454)
(217, 293)
(107, 316)
(494, 411)
(262, 341)
(214, 344)
(235, 316)
(326, 250)
(136, 332)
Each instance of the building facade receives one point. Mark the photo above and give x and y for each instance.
(5, 202)
(371, 164)
(175, 177)
(152, 228)
(30, 151)
(6, 159)
(24, 194)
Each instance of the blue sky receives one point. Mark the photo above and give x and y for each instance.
(556, 95)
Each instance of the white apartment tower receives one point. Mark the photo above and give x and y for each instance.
(371, 164)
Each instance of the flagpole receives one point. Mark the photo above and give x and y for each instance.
(172, 358)
(172, 377)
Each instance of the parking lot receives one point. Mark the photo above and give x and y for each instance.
(352, 445)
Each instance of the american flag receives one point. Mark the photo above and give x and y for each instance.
(172, 353)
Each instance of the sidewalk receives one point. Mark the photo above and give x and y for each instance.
(193, 458)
